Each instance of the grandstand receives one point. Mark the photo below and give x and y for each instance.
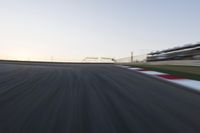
(187, 52)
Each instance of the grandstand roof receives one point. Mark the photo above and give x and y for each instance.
(175, 49)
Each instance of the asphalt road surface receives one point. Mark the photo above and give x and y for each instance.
(92, 98)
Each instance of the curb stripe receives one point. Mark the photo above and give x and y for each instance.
(167, 76)
(135, 68)
(193, 84)
(152, 72)
(188, 83)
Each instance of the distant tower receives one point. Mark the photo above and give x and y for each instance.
(131, 57)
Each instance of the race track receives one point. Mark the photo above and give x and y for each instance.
(92, 98)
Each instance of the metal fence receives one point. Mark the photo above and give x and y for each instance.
(136, 58)
(98, 60)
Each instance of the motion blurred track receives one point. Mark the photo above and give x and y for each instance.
(92, 98)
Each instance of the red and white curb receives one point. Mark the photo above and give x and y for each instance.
(193, 84)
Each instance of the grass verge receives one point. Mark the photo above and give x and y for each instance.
(190, 72)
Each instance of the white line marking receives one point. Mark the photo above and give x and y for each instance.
(123, 66)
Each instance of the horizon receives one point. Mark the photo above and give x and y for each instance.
(61, 30)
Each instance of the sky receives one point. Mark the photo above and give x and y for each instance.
(64, 30)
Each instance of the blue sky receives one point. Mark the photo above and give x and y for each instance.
(73, 29)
